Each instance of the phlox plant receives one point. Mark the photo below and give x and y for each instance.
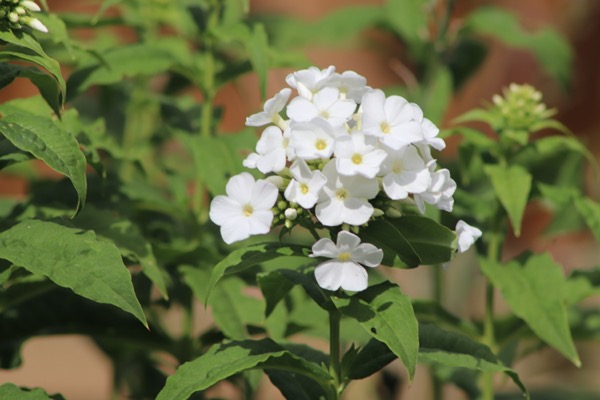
(143, 219)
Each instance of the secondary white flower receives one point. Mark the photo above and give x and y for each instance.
(326, 104)
(304, 189)
(344, 269)
(344, 199)
(390, 119)
(350, 85)
(404, 172)
(271, 151)
(313, 140)
(272, 108)
(358, 154)
(430, 131)
(439, 193)
(309, 81)
(467, 235)
(246, 210)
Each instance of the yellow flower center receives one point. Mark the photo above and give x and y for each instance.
(344, 257)
(357, 158)
(320, 144)
(304, 188)
(398, 167)
(324, 114)
(341, 194)
(385, 127)
(248, 210)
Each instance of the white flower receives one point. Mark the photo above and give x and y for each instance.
(467, 235)
(246, 210)
(344, 199)
(326, 104)
(271, 109)
(439, 193)
(358, 154)
(309, 81)
(271, 151)
(390, 119)
(304, 189)
(344, 269)
(313, 140)
(404, 172)
(350, 84)
(430, 131)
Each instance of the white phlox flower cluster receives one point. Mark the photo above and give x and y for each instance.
(16, 13)
(336, 155)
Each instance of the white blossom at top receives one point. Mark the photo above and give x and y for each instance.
(304, 189)
(246, 210)
(350, 84)
(467, 235)
(313, 140)
(309, 81)
(271, 110)
(326, 104)
(404, 172)
(272, 151)
(344, 270)
(439, 193)
(345, 199)
(358, 154)
(390, 119)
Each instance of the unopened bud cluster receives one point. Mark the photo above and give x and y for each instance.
(14, 14)
(521, 107)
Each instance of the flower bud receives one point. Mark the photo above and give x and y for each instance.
(288, 224)
(282, 204)
(30, 5)
(13, 17)
(37, 25)
(291, 214)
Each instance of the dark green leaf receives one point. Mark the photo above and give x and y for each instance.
(222, 361)
(387, 314)
(9, 391)
(73, 259)
(370, 359)
(46, 84)
(535, 292)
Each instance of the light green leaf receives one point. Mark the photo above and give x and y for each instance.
(581, 285)
(408, 18)
(512, 186)
(535, 292)
(73, 259)
(478, 115)
(387, 314)
(49, 143)
(455, 350)
(590, 211)
(224, 360)
(128, 238)
(258, 48)
(9, 391)
(437, 95)
(250, 256)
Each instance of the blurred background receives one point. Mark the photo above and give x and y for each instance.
(74, 367)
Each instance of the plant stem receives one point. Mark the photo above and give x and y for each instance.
(436, 383)
(334, 348)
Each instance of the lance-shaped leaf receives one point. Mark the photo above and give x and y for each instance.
(74, 259)
(224, 360)
(512, 186)
(49, 143)
(535, 292)
(9, 391)
(258, 49)
(387, 314)
(590, 211)
(45, 83)
(250, 256)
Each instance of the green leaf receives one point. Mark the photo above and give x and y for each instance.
(370, 359)
(45, 83)
(458, 351)
(258, 47)
(411, 240)
(512, 186)
(224, 360)
(478, 115)
(127, 237)
(9, 391)
(582, 284)
(535, 292)
(49, 143)
(437, 95)
(73, 259)
(387, 314)
(408, 18)
(250, 256)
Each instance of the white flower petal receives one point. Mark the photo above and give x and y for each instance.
(324, 248)
(224, 209)
(367, 254)
(328, 275)
(235, 230)
(347, 241)
(239, 187)
(264, 195)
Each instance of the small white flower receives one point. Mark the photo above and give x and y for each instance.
(350, 84)
(291, 213)
(358, 154)
(271, 151)
(467, 235)
(272, 108)
(313, 140)
(309, 81)
(345, 199)
(326, 104)
(390, 119)
(404, 172)
(430, 131)
(439, 193)
(36, 24)
(30, 5)
(304, 189)
(344, 269)
(246, 210)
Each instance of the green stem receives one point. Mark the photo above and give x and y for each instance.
(436, 383)
(334, 349)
